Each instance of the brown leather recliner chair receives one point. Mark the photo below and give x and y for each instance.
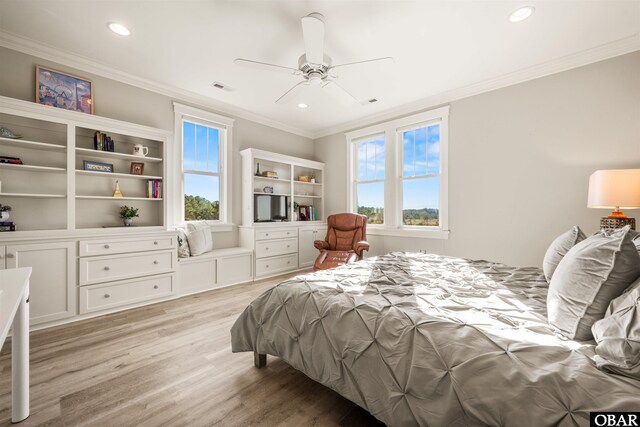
(345, 242)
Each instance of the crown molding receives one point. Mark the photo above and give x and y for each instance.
(599, 53)
(59, 56)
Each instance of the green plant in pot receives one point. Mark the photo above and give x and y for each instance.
(127, 214)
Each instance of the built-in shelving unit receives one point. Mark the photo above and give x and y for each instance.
(306, 194)
(51, 190)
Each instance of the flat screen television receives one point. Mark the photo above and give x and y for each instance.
(270, 208)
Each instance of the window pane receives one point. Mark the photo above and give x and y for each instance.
(188, 145)
(201, 148)
(201, 197)
(370, 201)
(420, 202)
(370, 159)
(361, 148)
(433, 149)
(408, 147)
(421, 151)
(214, 138)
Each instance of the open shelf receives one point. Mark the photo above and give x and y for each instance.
(110, 154)
(34, 195)
(115, 175)
(261, 193)
(301, 196)
(118, 198)
(32, 168)
(32, 144)
(308, 183)
(272, 179)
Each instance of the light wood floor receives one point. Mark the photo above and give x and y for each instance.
(168, 364)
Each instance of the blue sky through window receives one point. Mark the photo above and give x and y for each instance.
(201, 153)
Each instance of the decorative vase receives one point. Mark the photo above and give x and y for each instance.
(258, 170)
(127, 221)
(4, 216)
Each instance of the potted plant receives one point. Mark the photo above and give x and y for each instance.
(4, 213)
(127, 214)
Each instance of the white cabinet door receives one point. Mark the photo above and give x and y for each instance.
(307, 252)
(53, 280)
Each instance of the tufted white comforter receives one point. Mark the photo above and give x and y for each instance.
(429, 340)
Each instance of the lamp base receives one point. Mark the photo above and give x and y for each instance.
(609, 223)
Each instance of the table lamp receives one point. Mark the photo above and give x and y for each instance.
(615, 189)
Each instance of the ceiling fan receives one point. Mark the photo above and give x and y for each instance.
(314, 65)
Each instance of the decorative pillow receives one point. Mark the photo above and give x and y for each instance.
(559, 248)
(183, 244)
(591, 274)
(618, 335)
(199, 237)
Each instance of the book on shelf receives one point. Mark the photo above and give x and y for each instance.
(307, 213)
(11, 160)
(103, 142)
(7, 226)
(154, 189)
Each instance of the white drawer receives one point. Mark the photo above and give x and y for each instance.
(267, 248)
(102, 297)
(267, 266)
(277, 233)
(119, 246)
(116, 267)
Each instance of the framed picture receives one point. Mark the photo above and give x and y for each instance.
(62, 90)
(97, 166)
(137, 168)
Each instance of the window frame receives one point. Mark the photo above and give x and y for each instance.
(354, 166)
(224, 125)
(394, 176)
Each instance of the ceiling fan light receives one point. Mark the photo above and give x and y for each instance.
(119, 29)
(302, 105)
(521, 13)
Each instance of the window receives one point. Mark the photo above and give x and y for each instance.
(204, 153)
(421, 176)
(398, 175)
(201, 171)
(370, 178)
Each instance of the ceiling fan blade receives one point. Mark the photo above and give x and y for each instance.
(265, 66)
(338, 92)
(293, 92)
(386, 59)
(313, 33)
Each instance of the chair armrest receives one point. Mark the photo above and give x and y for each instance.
(360, 247)
(321, 245)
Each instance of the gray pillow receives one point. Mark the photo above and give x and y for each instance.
(183, 244)
(618, 335)
(559, 248)
(591, 274)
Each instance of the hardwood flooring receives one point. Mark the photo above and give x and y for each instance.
(168, 364)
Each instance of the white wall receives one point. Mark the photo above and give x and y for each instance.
(124, 102)
(520, 158)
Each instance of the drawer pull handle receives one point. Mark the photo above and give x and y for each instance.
(155, 243)
(266, 249)
(106, 246)
(155, 262)
(107, 296)
(267, 266)
(155, 286)
(288, 262)
(288, 246)
(10, 255)
(267, 234)
(107, 268)
(288, 233)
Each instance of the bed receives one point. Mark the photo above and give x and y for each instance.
(420, 339)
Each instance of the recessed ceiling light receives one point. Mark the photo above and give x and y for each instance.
(119, 29)
(521, 13)
(302, 105)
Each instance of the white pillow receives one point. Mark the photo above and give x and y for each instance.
(559, 248)
(199, 237)
(183, 244)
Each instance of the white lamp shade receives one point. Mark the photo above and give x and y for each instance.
(616, 188)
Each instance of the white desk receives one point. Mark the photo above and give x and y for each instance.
(14, 309)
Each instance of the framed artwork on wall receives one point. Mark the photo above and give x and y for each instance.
(63, 90)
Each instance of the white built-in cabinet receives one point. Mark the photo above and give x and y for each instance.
(307, 252)
(53, 279)
(281, 246)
